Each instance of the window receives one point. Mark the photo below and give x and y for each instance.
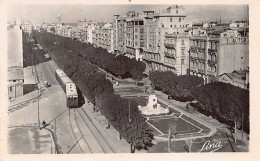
(179, 19)
(170, 19)
(174, 25)
(177, 11)
(136, 43)
(182, 42)
(136, 22)
(171, 26)
(136, 36)
(182, 51)
(141, 22)
(11, 88)
(141, 44)
(182, 61)
(162, 26)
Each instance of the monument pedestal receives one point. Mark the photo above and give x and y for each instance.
(153, 108)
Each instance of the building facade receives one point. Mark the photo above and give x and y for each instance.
(15, 62)
(219, 53)
(166, 45)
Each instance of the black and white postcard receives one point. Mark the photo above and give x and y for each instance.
(129, 78)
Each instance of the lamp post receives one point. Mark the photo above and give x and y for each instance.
(129, 117)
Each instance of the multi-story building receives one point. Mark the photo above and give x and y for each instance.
(119, 34)
(75, 33)
(176, 57)
(218, 52)
(106, 37)
(90, 29)
(162, 30)
(134, 35)
(96, 36)
(15, 62)
(27, 26)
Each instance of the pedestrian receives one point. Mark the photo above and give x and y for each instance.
(43, 123)
(187, 106)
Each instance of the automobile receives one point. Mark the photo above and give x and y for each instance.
(46, 84)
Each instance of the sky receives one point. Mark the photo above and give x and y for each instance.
(104, 13)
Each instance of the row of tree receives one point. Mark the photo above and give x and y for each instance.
(99, 91)
(119, 66)
(225, 102)
(178, 87)
(32, 56)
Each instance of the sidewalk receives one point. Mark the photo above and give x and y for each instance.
(29, 140)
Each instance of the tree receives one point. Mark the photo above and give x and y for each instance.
(189, 143)
(171, 134)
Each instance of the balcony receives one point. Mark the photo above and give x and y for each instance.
(169, 64)
(194, 58)
(212, 50)
(152, 60)
(201, 49)
(193, 48)
(212, 62)
(201, 59)
(202, 71)
(169, 55)
(167, 45)
(193, 69)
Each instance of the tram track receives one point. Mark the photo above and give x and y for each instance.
(95, 132)
(74, 132)
(89, 148)
(106, 147)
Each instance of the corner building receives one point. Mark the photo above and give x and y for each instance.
(166, 46)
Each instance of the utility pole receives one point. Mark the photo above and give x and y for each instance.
(75, 144)
(129, 112)
(235, 131)
(172, 132)
(242, 128)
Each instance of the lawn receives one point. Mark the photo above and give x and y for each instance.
(140, 100)
(183, 127)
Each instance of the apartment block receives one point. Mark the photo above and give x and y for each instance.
(166, 45)
(217, 53)
(119, 34)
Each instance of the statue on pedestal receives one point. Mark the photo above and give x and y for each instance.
(153, 107)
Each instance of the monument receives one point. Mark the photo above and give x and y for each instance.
(152, 107)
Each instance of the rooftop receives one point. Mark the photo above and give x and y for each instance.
(71, 89)
(15, 73)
